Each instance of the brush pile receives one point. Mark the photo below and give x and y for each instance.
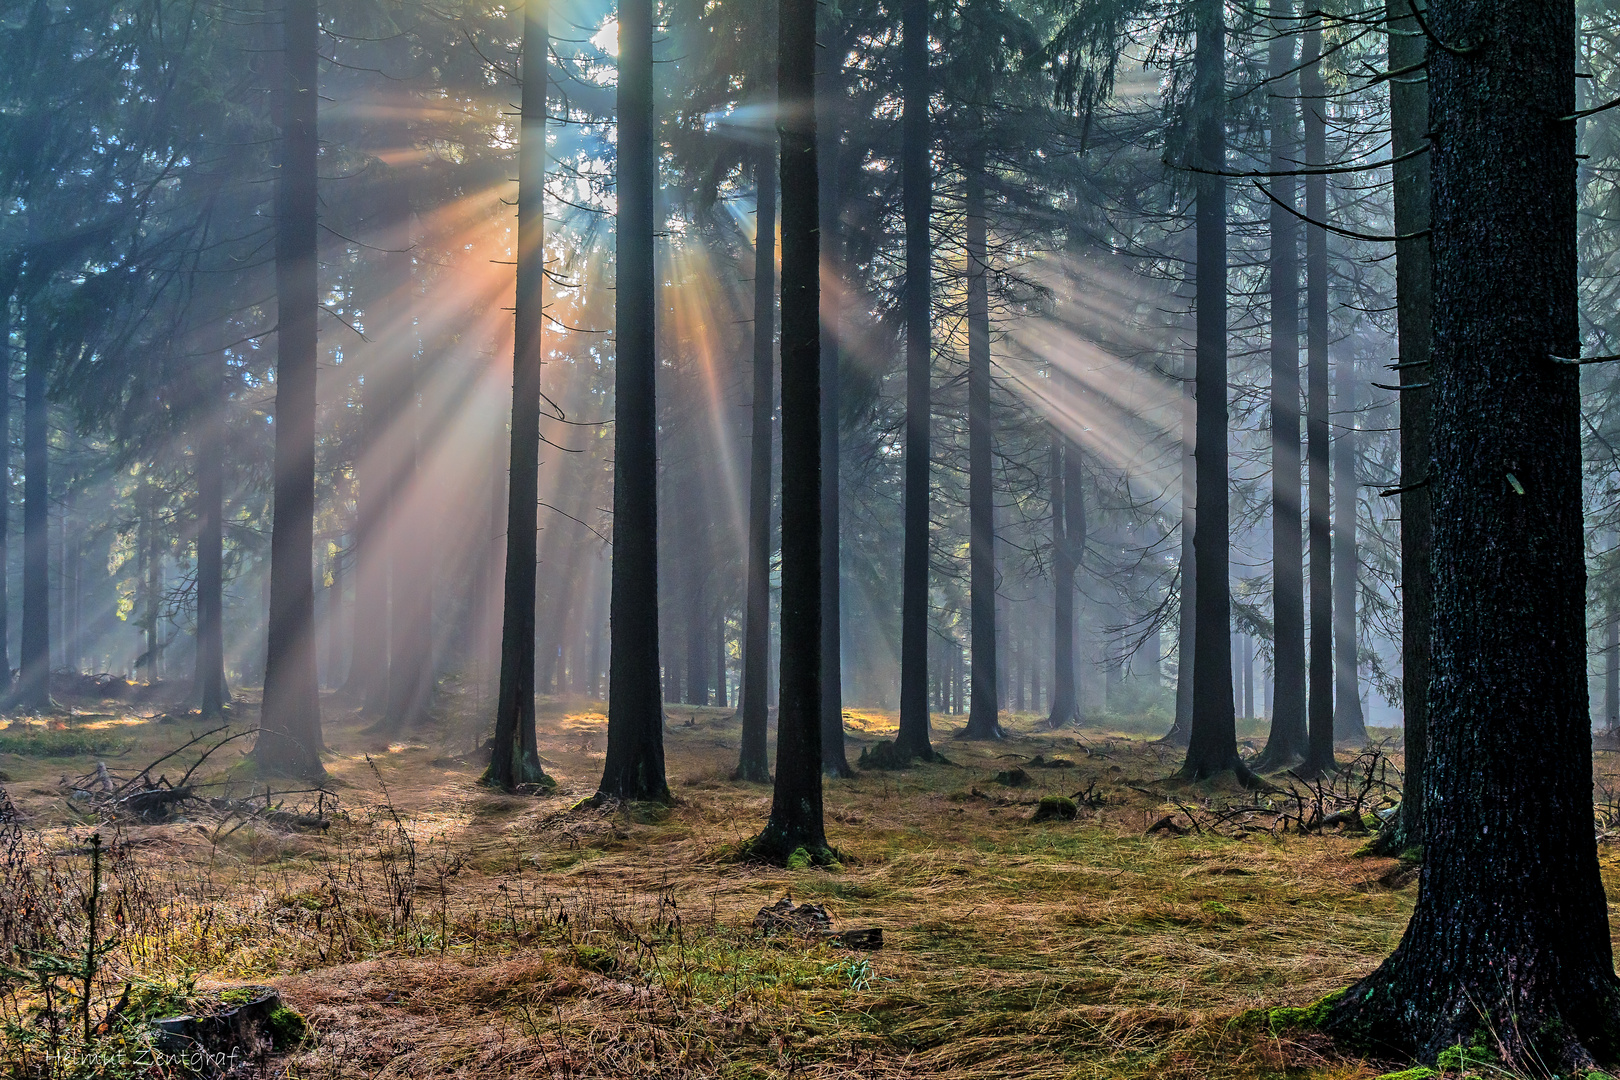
(141, 798)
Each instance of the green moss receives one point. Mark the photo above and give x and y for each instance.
(1291, 1018)
(1461, 1058)
(287, 1028)
(1422, 1072)
(1056, 808)
(799, 860)
(591, 958)
(58, 744)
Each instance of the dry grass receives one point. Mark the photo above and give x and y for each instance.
(484, 935)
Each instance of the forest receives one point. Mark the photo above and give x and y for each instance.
(777, 538)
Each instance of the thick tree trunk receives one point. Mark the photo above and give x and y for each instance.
(1349, 726)
(515, 759)
(1510, 936)
(916, 198)
(1212, 744)
(983, 722)
(1313, 89)
(829, 134)
(1409, 136)
(635, 752)
(796, 812)
(1286, 743)
(753, 763)
(290, 722)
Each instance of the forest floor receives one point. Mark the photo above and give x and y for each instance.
(436, 929)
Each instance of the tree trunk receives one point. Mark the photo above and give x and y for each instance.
(753, 763)
(1068, 548)
(5, 497)
(33, 688)
(154, 589)
(1414, 260)
(635, 752)
(290, 723)
(796, 812)
(1248, 676)
(334, 617)
(1212, 743)
(829, 133)
(1286, 743)
(916, 197)
(1611, 669)
(1313, 89)
(1349, 726)
(515, 759)
(983, 722)
(1510, 936)
(1187, 620)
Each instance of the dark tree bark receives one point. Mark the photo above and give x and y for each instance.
(1349, 726)
(1286, 743)
(1319, 755)
(983, 722)
(1212, 743)
(1414, 260)
(409, 539)
(33, 685)
(796, 812)
(753, 763)
(1510, 935)
(1186, 628)
(916, 198)
(290, 722)
(635, 753)
(1611, 667)
(1063, 700)
(5, 495)
(1068, 549)
(829, 93)
(515, 759)
(1248, 676)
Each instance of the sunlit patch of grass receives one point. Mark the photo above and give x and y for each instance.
(530, 937)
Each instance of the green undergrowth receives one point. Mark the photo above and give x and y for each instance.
(35, 742)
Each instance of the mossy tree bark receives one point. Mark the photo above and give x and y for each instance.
(796, 811)
(1510, 936)
(635, 753)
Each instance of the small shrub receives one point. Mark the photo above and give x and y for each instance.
(1056, 808)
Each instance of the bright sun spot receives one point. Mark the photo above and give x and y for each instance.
(607, 38)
